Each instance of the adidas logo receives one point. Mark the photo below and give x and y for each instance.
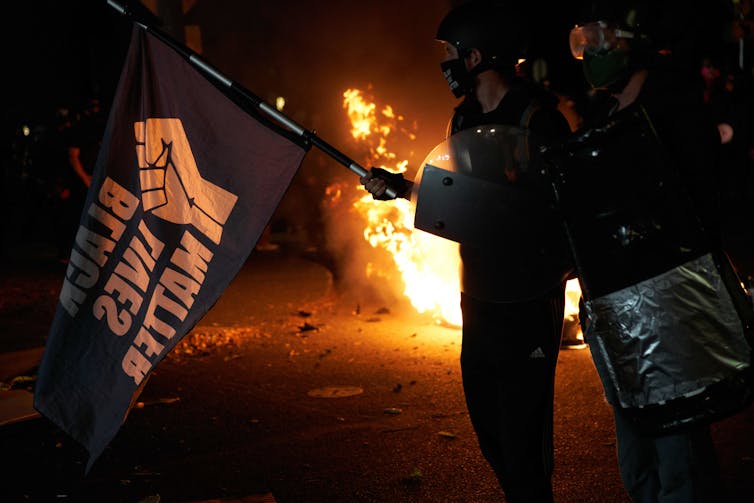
(537, 353)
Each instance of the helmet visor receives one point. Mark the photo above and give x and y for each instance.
(593, 37)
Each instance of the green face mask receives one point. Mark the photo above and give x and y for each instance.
(605, 67)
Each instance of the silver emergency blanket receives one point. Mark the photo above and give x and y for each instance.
(667, 337)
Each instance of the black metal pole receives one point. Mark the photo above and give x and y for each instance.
(193, 58)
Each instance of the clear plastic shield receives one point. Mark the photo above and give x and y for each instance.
(481, 186)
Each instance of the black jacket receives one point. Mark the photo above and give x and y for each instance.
(513, 268)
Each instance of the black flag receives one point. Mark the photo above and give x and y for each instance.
(184, 185)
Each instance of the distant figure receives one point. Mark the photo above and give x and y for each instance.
(83, 141)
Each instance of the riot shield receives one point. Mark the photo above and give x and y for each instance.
(485, 188)
(481, 187)
(667, 326)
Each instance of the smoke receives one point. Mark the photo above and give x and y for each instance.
(363, 273)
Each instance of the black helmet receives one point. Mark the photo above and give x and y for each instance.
(493, 28)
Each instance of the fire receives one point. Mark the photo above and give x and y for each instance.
(429, 265)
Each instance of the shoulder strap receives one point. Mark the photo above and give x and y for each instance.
(529, 113)
(523, 139)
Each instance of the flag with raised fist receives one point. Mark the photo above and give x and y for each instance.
(183, 187)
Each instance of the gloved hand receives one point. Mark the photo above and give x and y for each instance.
(377, 181)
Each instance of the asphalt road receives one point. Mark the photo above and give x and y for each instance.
(290, 391)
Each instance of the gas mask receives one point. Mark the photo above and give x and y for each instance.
(596, 44)
(606, 68)
(459, 78)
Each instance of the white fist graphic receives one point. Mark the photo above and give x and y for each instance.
(171, 186)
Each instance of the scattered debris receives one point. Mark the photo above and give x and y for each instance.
(335, 391)
(446, 434)
(141, 405)
(357, 310)
(155, 498)
(413, 479)
(304, 314)
(382, 310)
(22, 382)
(202, 342)
(307, 327)
(405, 428)
(397, 388)
(392, 410)
(373, 319)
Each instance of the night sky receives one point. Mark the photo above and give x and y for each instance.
(63, 52)
(309, 52)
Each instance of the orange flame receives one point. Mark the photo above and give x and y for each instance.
(428, 264)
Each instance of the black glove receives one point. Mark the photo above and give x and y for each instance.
(394, 181)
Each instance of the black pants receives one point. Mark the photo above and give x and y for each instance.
(677, 468)
(508, 362)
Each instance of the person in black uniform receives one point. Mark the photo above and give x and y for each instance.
(646, 126)
(512, 322)
(83, 139)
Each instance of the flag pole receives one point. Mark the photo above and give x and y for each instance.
(193, 58)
